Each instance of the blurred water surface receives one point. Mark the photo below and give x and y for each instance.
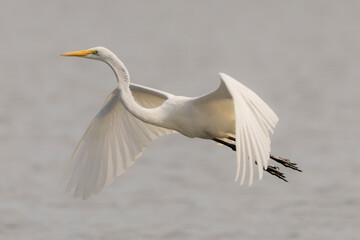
(301, 57)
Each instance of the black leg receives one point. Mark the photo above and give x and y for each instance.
(232, 139)
(283, 161)
(232, 146)
(270, 169)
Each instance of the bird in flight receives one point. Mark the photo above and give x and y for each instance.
(133, 116)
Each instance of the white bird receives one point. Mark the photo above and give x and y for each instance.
(133, 116)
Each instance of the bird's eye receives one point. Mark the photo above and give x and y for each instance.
(95, 52)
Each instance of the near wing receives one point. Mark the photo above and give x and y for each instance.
(112, 142)
(253, 121)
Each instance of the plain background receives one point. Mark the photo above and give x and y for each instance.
(301, 57)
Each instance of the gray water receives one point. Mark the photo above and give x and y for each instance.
(301, 57)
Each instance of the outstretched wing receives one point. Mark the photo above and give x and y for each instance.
(112, 142)
(253, 120)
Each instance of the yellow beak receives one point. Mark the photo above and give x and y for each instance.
(82, 53)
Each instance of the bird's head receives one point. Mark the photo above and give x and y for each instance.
(96, 53)
(106, 56)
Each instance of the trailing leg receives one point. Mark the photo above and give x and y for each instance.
(283, 161)
(230, 145)
(273, 170)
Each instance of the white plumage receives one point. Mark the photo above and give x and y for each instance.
(112, 142)
(133, 116)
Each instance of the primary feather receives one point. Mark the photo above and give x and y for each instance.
(112, 142)
(243, 114)
(254, 120)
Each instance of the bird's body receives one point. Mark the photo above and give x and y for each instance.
(133, 115)
(184, 116)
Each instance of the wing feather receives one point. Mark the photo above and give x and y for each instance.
(253, 121)
(112, 142)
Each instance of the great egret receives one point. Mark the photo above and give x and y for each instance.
(133, 115)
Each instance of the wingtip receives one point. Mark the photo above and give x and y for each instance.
(221, 74)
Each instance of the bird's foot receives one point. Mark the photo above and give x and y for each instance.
(286, 163)
(273, 170)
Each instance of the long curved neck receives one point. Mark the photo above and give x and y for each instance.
(149, 115)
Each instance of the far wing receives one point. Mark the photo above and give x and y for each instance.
(148, 97)
(253, 121)
(112, 142)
